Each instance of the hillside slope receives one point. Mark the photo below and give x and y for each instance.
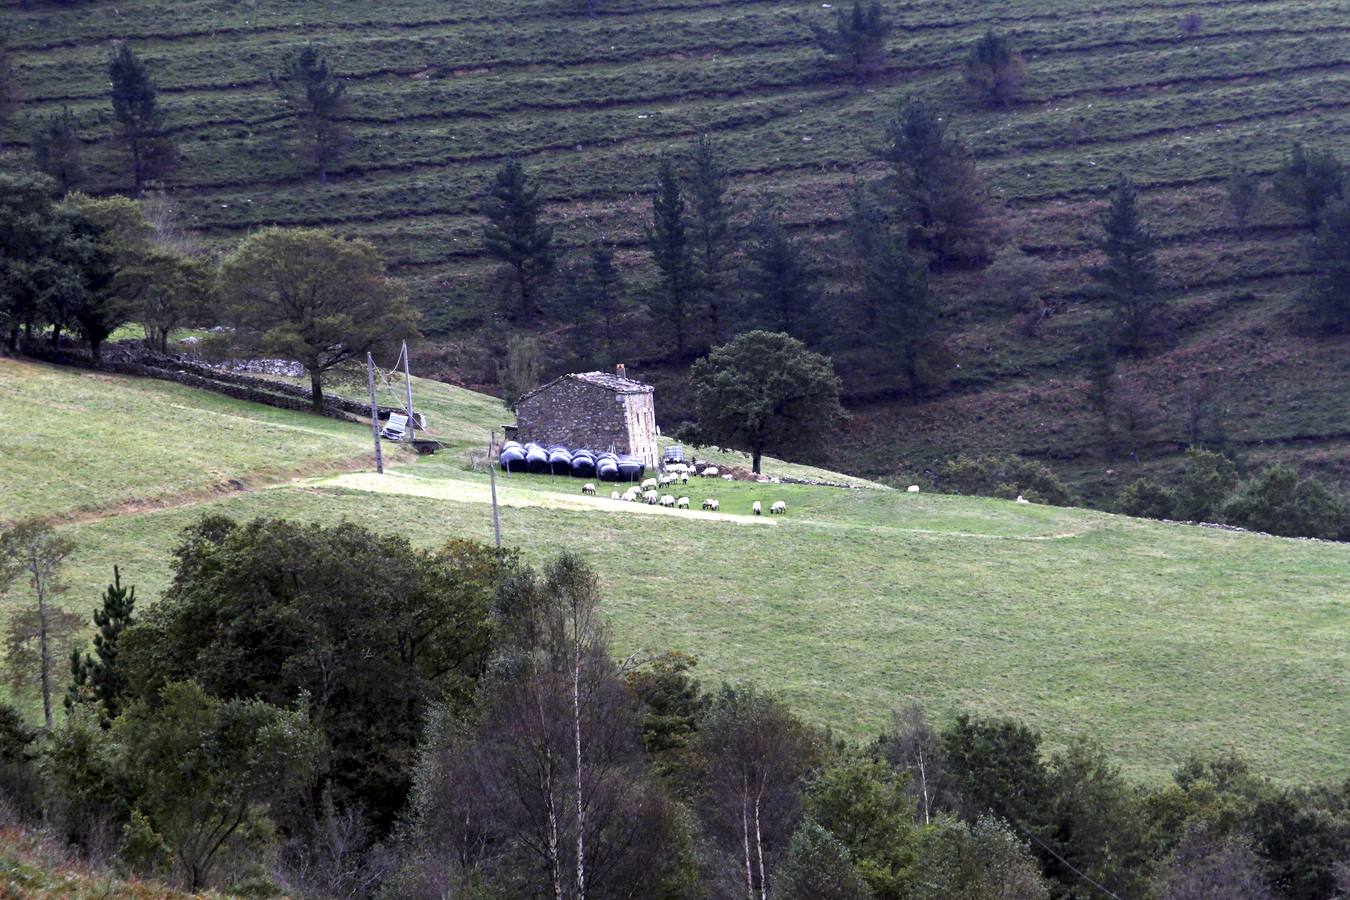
(1158, 640)
(441, 95)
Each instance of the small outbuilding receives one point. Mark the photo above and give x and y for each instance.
(595, 410)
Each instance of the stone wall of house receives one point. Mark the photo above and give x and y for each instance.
(575, 413)
(640, 416)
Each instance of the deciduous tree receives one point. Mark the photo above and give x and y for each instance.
(32, 550)
(312, 296)
(515, 236)
(766, 391)
(1128, 276)
(858, 40)
(994, 70)
(140, 120)
(59, 152)
(317, 101)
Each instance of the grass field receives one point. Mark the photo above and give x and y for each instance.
(1158, 640)
(442, 94)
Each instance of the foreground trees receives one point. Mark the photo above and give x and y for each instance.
(311, 296)
(766, 391)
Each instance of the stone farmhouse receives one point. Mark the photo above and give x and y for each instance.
(594, 410)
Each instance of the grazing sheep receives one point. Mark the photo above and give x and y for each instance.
(710, 503)
(684, 478)
(710, 472)
(614, 495)
(778, 507)
(682, 503)
(913, 489)
(668, 500)
(728, 477)
(650, 498)
(756, 508)
(649, 484)
(666, 479)
(677, 468)
(588, 489)
(631, 495)
(1021, 499)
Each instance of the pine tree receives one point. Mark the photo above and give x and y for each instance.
(101, 680)
(936, 185)
(1309, 180)
(712, 233)
(606, 286)
(894, 308)
(668, 240)
(780, 279)
(58, 151)
(1329, 253)
(9, 99)
(994, 71)
(858, 40)
(1129, 276)
(514, 235)
(316, 98)
(139, 117)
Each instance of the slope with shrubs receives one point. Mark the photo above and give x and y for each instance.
(1176, 95)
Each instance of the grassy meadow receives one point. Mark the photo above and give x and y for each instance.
(1158, 640)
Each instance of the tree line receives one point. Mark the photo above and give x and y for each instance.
(323, 712)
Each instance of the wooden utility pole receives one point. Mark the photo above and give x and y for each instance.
(407, 381)
(374, 414)
(492, 477)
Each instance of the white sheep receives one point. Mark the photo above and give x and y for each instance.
(650, 498)
(710, 472)
(779, 506)
(666, 479)
(614, 495)
(684, 478)
(668, 500)
(649, 484)
(682, 503)
(677, 468)
(710, 503)
(588, 489)
(756, 508)
(631, 495)
(913, 489)
(728, 477)
(1021, 499)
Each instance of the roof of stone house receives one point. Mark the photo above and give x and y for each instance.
(605, 380)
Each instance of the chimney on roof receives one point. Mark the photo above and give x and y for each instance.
(621, 371)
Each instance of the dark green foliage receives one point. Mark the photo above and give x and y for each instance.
(605, 285)
(712, 234)
(1007, 477)
(892, 310)
(1207, 480)
(671, 250)
(818, 867)
(88, 794)
(670, 702)
(317, 100)
(202, 770)
(864, 805)
(1279, 501)
(780, 280)
(102, 680)
(371, 630)
(994, 70)
(936, 187)
(1328, 298)
(984, 861)
(9, 92)
(1148, 499)
(1243, 189)
(1304, 836)
(1309, 180)
(520, 370)
(139, 118)
(766, 391)
(20, 786)
(858, 40)
(59, 152)
(1128, 277)
(996, 767)
(514, 236)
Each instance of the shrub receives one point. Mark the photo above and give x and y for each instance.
(1148, 499)
(1006, 477)
(1278, 501)
(1207, 480)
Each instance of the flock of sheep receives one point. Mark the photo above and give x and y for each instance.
(678, 473)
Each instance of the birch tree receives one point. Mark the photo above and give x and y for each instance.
(31, 549)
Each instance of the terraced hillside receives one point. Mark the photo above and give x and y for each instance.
(442, 93)
(1158, 640)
